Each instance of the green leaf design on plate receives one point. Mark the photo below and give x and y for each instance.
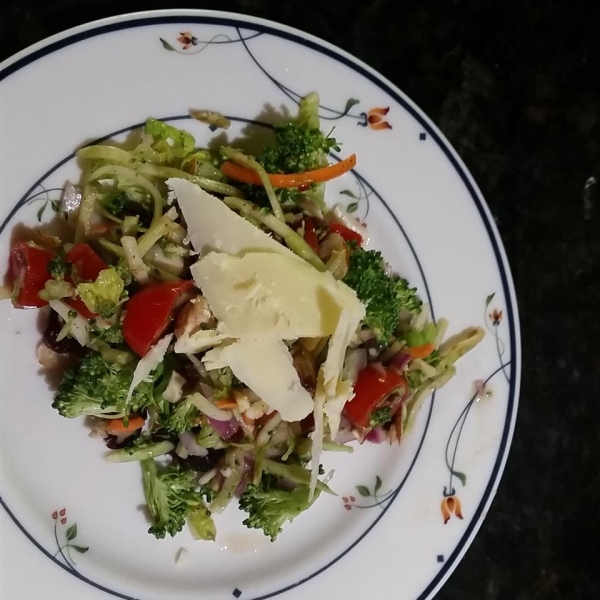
(461, 476)
(352, 207)
(55, 205)
(489, 299)
(40, 212)
(363, 490)
(166, 45)
(377, 484)
(349, 193)
(80, 549)
(350, 103)
(72, 532)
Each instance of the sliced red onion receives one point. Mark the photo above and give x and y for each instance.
(242, 485)
(226, 429)
(191, 445)
(400, 361)
(377, 435)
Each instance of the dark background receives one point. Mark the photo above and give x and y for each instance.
(516, 89)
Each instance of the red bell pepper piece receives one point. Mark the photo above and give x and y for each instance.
(29, 274)
(149, 313)
(86, 263)
(348, 234)
(310, 234)
(371, 388)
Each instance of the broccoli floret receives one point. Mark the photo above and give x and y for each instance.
(172, 142)
(111, 335)
(269, 508)
(140, 449)
(97, 387)
(184, 416)
(383, 296)
(116, 202)
(380, 416)
(207, 437)
(105, 294)
(172, 497)
(58, 267)
(297, 148)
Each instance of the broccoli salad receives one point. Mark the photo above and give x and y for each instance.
(218, 323)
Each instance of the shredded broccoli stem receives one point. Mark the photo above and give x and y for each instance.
(134, 260)
(155, 233)
(136, 179)
(106, 214)
(112, 247)
(250, 163)
(458, 345)
(210, 117)
(107, 153)
(210, 185)
(86, 210)
(294, 242)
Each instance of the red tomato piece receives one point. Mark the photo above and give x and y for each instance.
(371, 388)
(310, 234)
(348, 234)
(86, 263)
(149, 313)
(29, 274)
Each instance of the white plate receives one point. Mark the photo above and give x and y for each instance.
(384, 536)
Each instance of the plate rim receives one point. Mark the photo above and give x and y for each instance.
(98, 27)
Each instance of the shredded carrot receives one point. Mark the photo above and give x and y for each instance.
(421, 351)
(226, 404)
(117, 427)
(234, 171)
(101, 228)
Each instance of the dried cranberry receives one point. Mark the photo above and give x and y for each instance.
(65, 346)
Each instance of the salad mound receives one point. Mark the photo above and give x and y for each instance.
(225, 326)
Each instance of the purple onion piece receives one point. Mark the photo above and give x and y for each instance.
(377, 435)
(242, 485)
(191, 445)
(399, 361)
(226, 429)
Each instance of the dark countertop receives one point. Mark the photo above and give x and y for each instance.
(517, 91)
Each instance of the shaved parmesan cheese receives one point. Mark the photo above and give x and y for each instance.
(212, 225)
(174, 390)
(199, 341)
(265, 294)
(149, 362)
(317, 437)
(335, 404)
(265, 366)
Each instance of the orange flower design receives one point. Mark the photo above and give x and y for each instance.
(375, 118)
(186, 39)
(451, 506)
(495, 317)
